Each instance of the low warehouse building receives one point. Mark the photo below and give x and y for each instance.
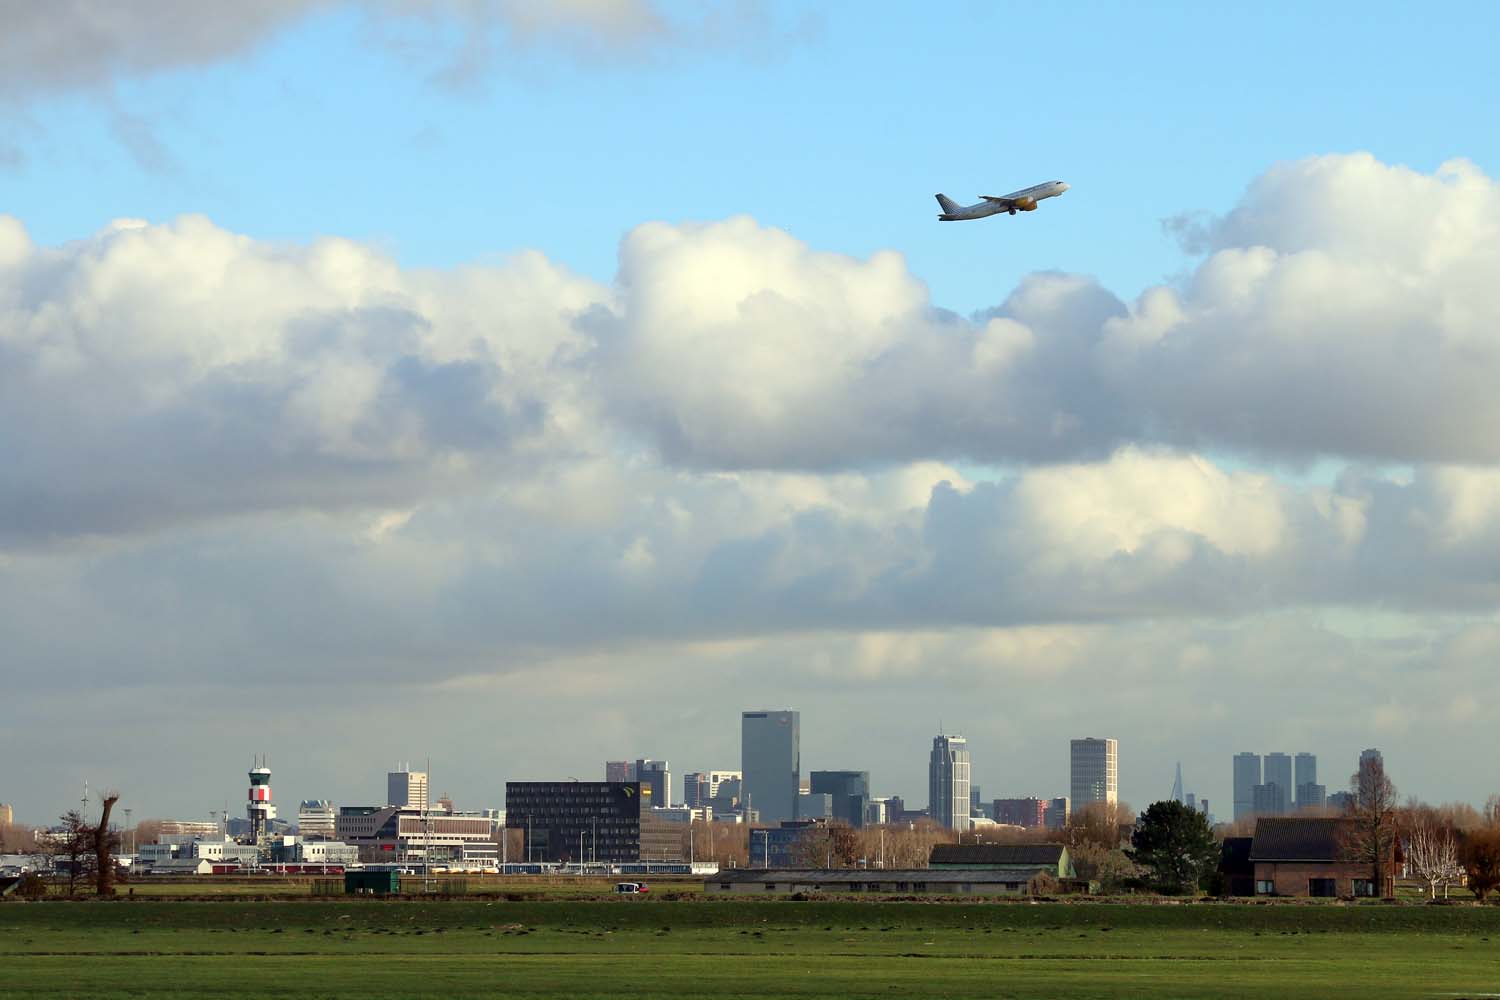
(962, 882)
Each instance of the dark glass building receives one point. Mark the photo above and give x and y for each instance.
(849, 790)
(560, 819)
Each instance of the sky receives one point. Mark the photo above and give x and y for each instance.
(520, 387)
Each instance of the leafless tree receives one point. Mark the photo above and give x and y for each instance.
(76, 846)
(1099, 823)
(1432, 854)
(1372, 835)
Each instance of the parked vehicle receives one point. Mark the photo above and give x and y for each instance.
(632, 887)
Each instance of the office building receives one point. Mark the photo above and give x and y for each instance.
(7, 815)
(1370, 756)
(406, 789)
(721, 789)
(876, 813)
(655, 777)
(619, 770)
(815, 805)
(771, 763)
(572, 821)
(1059, 811)
(695, 794)
(316, 819)
(1246, 777)
(1341, 802)
(849, 791)
(948, 782)
(405, 834)
(1095, 772)
(1019, 812)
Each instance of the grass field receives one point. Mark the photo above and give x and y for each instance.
(750, 948)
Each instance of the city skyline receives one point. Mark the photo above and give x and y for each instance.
(405, 410)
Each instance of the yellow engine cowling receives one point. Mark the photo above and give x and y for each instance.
(1026, 204)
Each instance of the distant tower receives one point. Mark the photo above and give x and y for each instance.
(259, 809)
(948, 797)
(1177, 795)
(1095, 771)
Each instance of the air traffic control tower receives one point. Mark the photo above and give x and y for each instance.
(259, 809)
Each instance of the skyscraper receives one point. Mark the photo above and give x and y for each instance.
(850, 792)
(618, 770)
(655, 775)
(1277, 770)
(1096, 772)
(1306, 769)
(948, 782)
(406, 788)
(1246, 777)
(771, 759)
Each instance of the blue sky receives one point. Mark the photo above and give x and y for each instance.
(836, 122)
(1259, 511)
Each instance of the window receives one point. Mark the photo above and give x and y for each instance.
(1364, 887)
(1265, 887)
(1322, 888)
(770, 886)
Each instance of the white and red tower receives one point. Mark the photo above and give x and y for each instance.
(259, 809)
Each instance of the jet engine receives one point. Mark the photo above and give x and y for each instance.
(1026, 204)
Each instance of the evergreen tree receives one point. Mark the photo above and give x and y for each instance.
(1174, 843)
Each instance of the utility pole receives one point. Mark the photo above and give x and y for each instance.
(131, 830)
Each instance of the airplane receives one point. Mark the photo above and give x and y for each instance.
(1017, 201)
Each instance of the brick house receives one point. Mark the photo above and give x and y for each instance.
(1304, 856)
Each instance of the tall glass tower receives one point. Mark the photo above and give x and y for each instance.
(771, 759)
(948, 782)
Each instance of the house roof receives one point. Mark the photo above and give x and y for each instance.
(1298, 838)
(1038, 855)
(840, 876)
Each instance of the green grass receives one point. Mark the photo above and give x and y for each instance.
(744, 948)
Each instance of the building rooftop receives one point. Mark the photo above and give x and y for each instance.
(1039, 855)
(837, 876)
(1299, 838)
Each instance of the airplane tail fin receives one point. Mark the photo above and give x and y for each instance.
(949, 205)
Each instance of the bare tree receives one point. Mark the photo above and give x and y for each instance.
(1372, 835)
(76, 845)
(105, 842)
(1099, 823)
(1432, 855)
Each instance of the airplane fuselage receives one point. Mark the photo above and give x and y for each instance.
(1024, 200)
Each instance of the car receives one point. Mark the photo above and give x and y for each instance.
(632, 887)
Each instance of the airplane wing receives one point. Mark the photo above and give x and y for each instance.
(1006, 202)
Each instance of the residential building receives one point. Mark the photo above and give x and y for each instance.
(1311, 796)
(1031, 859)
(655, 775)
(771, 763)
(1246, 777)
(1269, 799)
(402, 834)
(1306, 856)
(948, 782)
(576, 820)
(1276, 769)
(1095, 771)
(406, 789)
(619, 770)
(1305, 771)
(1059, 811)
(1019, 812)
(849, 791)
(315, 819)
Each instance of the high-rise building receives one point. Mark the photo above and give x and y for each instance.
(655, 777)
(258, 809)
(771, 762)
(1305, 771)
(619, 770)
(849, 791)
(1269, 799)
(315, 819)
(1246, 777)
(586, 821)
(1311, 795)
(1370, 755)
(1095, 771)
(1276, 769)
(405, 788)
(7, 815)
(948, 782)
(1059, 811)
